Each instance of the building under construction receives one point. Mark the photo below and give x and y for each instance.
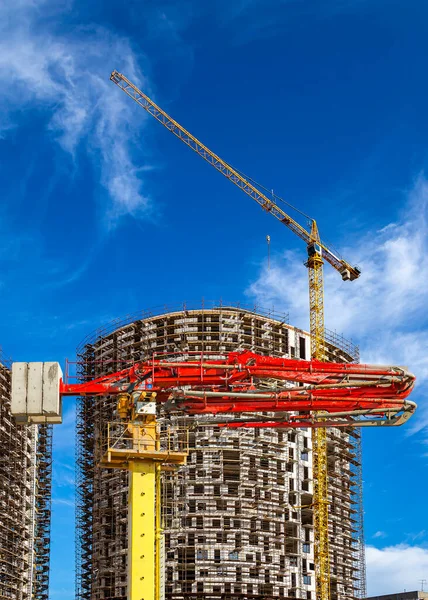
(238, 518)
(25, 502)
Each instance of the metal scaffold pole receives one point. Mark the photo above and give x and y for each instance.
(158, 535)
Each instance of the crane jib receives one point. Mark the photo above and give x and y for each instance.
(221, 166)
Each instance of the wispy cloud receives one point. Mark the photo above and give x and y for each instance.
(379, 534)
(384, 310)
(64, 78)
(395, 568)
(417, 536)
(64, 502)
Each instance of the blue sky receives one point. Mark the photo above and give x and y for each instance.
(105, 213)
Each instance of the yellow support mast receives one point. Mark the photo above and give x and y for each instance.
(317, 253)
(136, 445)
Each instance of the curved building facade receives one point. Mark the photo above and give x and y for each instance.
(238, 518)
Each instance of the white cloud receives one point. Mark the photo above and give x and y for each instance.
(379, 534)
(65, 78)
(385, 309)
(395, 568)
(393, 285)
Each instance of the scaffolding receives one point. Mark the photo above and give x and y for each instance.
(25, 495)
(232, 519)
(238, 518)
(43, 506)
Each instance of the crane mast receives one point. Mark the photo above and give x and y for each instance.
(317, 254)
(319, 436)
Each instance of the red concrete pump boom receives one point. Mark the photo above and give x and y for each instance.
(241, 389)
(299, 393)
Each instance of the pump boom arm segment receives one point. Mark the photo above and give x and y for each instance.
(245, 382)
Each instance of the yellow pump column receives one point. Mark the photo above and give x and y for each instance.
(141, 530)
(139, 447)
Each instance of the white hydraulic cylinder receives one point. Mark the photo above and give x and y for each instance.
(35, 394)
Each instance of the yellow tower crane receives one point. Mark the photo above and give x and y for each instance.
(317, 254)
